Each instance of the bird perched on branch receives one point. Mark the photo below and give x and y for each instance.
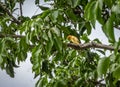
(73, 39)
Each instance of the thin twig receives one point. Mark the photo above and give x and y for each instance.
(8, 12)
(91, 45)
(21, 13)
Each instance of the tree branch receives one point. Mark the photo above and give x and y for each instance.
(91, 45)
(8, 12)
(72, 45)
(13, 36)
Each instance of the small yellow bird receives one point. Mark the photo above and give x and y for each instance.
(73, 39)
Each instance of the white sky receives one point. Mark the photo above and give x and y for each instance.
(24, 75)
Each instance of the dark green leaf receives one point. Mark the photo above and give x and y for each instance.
(36, 1)
(98, 12)
(36, 51)
(109, 3)
(116, 9)
(54, 15)
(27, 38)
(49, 47)
(56, 31)
(116, 72)
(43, 7)
(36, 66)
(60, 83)
(1, 60)
(9, 69)
(66, 30)
(45, 66)
(42, 82)
(100, 2)
(90, 12)
(45, 36)
(75, 3)
(71, 15)
(45, 14)
(89, 28)
(22, 49)
(109, 30)
(51, 38)
(85, 38)
(58, 43)
(2, 44)
(103, 66)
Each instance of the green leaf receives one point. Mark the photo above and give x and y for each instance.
(45, 36)
(45, 14)
(58, 43)
(109, 3)
(109, 30)
(22, 49)
(36, 51)
(36, 59)
(116, 72)
(49, 46)
(45, 66)
(35, 66)
(82, 28)
(36, 1)
(43, 7)
(103, 66)
(60, 83)
(1, 60)
(42, 82)
(85, 38)
(65, 30)
(100, 2)
(116, 9)
(75, 3)
(2, 44)
(54, 15)
(9, 69)
(56, 31)
(89, 28)
(73, 54)
(27, 38)
(98, 12)
(71, 15)
(90, 12)
(50, 36)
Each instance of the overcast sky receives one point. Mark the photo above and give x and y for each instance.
(24, 75)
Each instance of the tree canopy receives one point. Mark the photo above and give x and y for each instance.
(55, 60)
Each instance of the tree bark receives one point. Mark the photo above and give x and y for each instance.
(91, 45)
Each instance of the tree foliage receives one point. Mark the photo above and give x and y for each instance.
(44, 36)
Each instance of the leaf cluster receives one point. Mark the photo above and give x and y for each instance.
(44, 36)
